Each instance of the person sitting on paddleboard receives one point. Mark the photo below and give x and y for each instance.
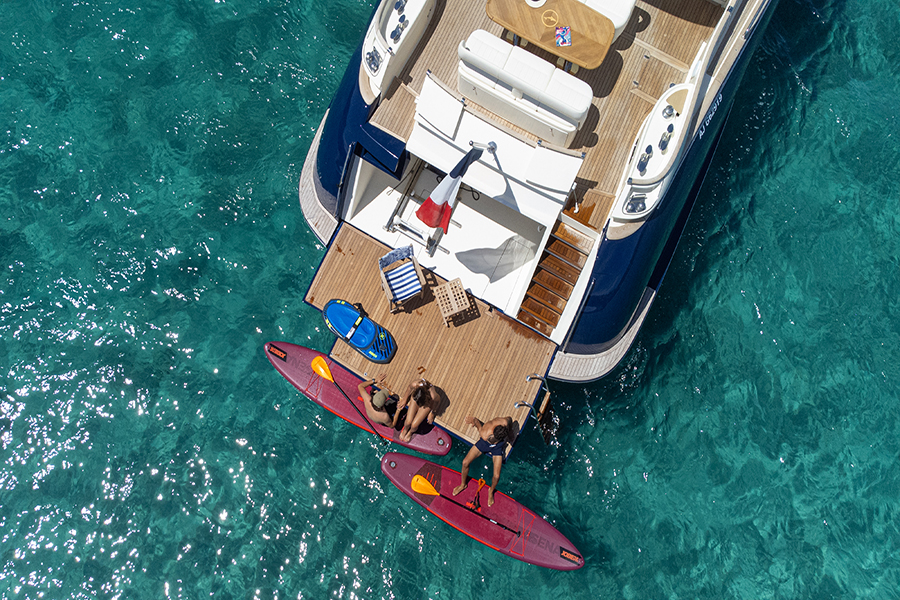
(380, 403)
(492, 439)
(421, 398)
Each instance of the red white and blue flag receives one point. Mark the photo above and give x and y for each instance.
(435, 212)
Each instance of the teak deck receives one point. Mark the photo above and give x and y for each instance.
(655, 50)
(480, 363)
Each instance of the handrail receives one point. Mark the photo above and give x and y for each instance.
(700, 87)
(759, 14)
(736, 11)
(346, 164)
(530, 405)
(413, 174)
(385, 4)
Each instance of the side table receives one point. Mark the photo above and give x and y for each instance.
(452, 299)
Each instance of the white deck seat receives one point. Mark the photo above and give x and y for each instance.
(617, 11)
(522, 88)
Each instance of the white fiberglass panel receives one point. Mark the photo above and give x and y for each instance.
(440, 109)
(490, 247)
(503, 175)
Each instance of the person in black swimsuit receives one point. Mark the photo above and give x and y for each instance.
(492, 439)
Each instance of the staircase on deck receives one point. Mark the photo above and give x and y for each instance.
(555, 277)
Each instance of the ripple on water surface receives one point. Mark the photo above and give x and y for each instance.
(152, 242)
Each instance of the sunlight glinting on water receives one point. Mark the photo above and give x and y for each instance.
(152, 241)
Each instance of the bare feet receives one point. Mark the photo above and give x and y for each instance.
(490, 498)
(461, 487)
(405, 435)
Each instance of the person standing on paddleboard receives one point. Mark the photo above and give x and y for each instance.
(379, 402)
(422, 399)
(493, 437)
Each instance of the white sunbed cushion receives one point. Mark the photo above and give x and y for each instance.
(551, 169)
(440, 109)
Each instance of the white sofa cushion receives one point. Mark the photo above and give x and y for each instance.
(617, 11)
(524, 89)
(526, 66)
(573, 93)
(489, 48)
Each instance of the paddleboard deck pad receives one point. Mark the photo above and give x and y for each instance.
(518, 532)
(295, 364)
(359, 331)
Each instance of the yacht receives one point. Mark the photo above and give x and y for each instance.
(562, 141)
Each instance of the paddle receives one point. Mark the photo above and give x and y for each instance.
(423, 486)
(321, 368)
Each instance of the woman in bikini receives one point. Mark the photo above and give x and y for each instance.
(422, 399)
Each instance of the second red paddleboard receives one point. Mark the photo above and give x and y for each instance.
(507, 526)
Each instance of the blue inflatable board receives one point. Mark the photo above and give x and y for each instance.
(362, 334)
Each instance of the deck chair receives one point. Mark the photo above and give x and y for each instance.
(401, 276)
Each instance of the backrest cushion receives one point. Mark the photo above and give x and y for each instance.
(492, 51)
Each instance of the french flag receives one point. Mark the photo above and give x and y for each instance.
(435, 212)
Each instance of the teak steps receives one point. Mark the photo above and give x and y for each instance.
(554, 279)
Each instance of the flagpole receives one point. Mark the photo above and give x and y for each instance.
(435, 211)
(491, 147)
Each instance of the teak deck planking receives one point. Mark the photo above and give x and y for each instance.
(655, 50)
(479, 363)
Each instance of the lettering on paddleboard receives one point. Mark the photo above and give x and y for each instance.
(542, 542)
(277, 352)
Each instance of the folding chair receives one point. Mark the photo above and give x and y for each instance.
(401, 276)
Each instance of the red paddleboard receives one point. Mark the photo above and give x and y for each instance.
(295, 364)
(507, 526)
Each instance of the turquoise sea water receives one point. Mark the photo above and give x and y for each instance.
(151, 241)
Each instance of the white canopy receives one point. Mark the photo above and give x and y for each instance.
(533, 180)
